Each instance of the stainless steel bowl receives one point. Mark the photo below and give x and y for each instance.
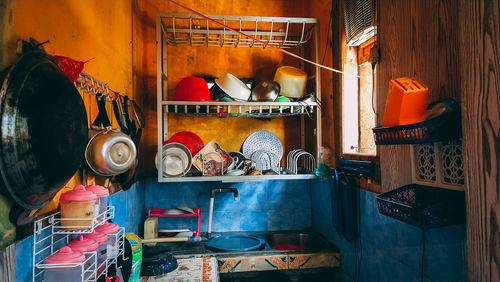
(110, 152)
(266, 91)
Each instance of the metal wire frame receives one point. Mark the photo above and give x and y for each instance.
(182, 30)
(48, 237)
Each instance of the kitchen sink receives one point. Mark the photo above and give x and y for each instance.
(296, 241)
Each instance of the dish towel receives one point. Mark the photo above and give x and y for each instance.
(343, 206)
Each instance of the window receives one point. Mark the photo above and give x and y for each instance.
(358, 101)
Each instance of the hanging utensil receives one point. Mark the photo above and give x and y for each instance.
(43, 130)
(110, 151)
(118, 111)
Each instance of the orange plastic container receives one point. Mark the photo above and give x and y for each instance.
(406, 102)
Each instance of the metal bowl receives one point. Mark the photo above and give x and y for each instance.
(110, 152)
(176, 158)
(266, 91)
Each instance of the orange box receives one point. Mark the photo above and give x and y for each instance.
(406, 102)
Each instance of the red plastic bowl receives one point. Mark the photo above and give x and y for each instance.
(192, 89)
(192, 141)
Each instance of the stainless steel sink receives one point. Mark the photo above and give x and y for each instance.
(295, 241)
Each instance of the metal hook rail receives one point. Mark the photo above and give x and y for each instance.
(90, 85)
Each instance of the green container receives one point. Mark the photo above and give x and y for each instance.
(135, 242)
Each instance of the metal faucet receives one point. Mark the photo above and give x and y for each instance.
(213, 191)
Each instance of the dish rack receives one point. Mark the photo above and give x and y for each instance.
(49, 236)
(189, 30)
(161, 213)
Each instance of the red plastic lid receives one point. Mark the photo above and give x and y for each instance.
(192, 89)
(78, 194)
(97, 189)
(108, 228)
(96, 236)
(66, 255)
(83, 244)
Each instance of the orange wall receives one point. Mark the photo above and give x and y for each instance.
(121, 36)
(79, 29)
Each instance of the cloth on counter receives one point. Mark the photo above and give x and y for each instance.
(201, 269)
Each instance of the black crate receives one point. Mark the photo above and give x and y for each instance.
(423, 206)
(441, 128)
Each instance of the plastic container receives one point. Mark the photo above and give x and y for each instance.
(102, 195)
(64, 273)
(423, 206)
(192, 89)
(406, 102)
(78, 203)
(84, 245)
(111, 230)
(292, 81)
(102, 240)
(234, 87)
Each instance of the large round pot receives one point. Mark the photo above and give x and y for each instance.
(109, 151)
(43, 130)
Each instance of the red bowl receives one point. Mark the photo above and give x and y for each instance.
(192, 89)
(192, 141)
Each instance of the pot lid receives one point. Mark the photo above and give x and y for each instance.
(66, 255)
(83, 244)
(108, 228)
(43, 127)
(78, 194)
(97, 189)
(96, 236)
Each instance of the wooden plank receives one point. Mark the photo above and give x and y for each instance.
(8, 263)
(480, 88)
(394, 36)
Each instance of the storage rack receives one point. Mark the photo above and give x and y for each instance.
(49, 236)
(192, 30)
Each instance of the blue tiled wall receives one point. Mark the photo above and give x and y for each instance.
(390, 250)
(267, 205)
(129, 213)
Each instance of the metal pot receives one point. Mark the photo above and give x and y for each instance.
(109, 151)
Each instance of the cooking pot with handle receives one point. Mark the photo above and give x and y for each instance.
(109, 151)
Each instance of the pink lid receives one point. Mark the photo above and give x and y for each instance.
(82, 244)
(108, 228)
(97, 189)
(66, 255)
(96, 236)
(78, 194)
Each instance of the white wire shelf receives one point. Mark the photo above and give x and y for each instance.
(240, 109)
(233, 179)
(49, 236)
(193, 30)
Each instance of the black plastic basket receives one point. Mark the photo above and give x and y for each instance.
(441, 128)
(423, 206)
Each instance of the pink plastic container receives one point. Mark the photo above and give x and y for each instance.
(102, 240)
(64, 273)
(102, 195)
(82, 244)
(78, 203)
(111, 230)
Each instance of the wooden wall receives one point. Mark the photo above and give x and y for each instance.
(479, 61)
(454, 48)
(417, 39)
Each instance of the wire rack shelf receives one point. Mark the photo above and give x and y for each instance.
(193, 30)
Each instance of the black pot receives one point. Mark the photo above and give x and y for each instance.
(43, 130)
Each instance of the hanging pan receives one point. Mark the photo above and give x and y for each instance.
(43, 130)
(109, 151)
